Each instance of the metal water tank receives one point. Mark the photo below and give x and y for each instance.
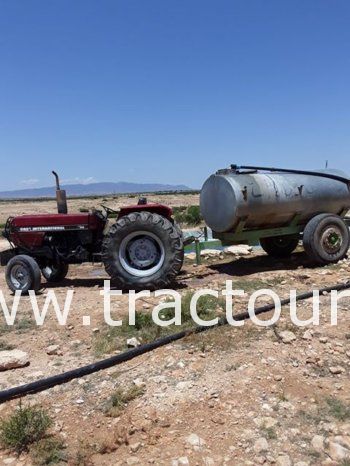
(268, 197)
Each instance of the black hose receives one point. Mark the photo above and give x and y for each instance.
(59, 379)
(331, 176)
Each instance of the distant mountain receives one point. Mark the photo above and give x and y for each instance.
(92, 189)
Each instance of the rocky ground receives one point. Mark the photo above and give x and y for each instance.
(233, 396)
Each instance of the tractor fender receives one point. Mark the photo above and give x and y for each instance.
(7, 255)
(160, 209)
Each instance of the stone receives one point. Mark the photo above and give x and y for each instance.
(210, 252)
(265, 422)
(336, 370)
(52, 350)
(185, 385)
(139, 383)
(317, 443)
(283, 460)
(287, 336)
(259, 460)
(134, 447)
(207, 461)
(344, 441)
(133, 342)
(13, 359)
(261, 445)
(182, 461)
(345, 429)
(307, 335)
(195, 441)
(133, 460)
(239, 250)
(338, 452)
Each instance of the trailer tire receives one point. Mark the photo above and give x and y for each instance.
(143, 250)
(279, 246)
(326, 239)
(55, 273)
(23, 274)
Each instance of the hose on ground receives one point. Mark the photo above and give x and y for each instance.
(59, 379)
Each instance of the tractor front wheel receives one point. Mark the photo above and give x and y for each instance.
(23, 274)
(143, 250)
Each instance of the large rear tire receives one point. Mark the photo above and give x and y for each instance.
(55, 273)
(326, 239)
(279, 246)
(143, 250)
(23, 274)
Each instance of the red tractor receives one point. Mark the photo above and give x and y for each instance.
(143, 249)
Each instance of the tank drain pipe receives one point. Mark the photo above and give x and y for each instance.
(59, 379)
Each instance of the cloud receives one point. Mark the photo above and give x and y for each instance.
(77, 180)
(29, 182)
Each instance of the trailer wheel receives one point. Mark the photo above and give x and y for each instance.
(326, 239)
(23, 274)
(143, 250)
(279, 246)
(55, 273)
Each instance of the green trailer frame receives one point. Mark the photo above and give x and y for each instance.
(251, 237)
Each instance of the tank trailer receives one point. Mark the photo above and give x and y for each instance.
(278, 207)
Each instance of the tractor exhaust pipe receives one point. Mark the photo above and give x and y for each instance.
(60, 196)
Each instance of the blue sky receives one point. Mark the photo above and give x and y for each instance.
(170, 90)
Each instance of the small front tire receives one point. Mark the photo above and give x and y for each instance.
(23, 274)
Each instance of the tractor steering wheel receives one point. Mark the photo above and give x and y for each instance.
(109, 211)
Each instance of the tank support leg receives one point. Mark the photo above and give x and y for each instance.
(198, 251)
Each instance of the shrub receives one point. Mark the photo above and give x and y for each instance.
(24, 427)
(193, 215)
(187, 215)
(4, 346)
(338, 409)
(47, 451)
(120, 399)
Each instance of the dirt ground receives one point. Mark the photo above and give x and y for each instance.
(232, 396)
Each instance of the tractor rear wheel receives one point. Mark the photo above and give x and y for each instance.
(143, 250)
(326, 239)
(23, 274)
(55, 273)
(279, 246)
